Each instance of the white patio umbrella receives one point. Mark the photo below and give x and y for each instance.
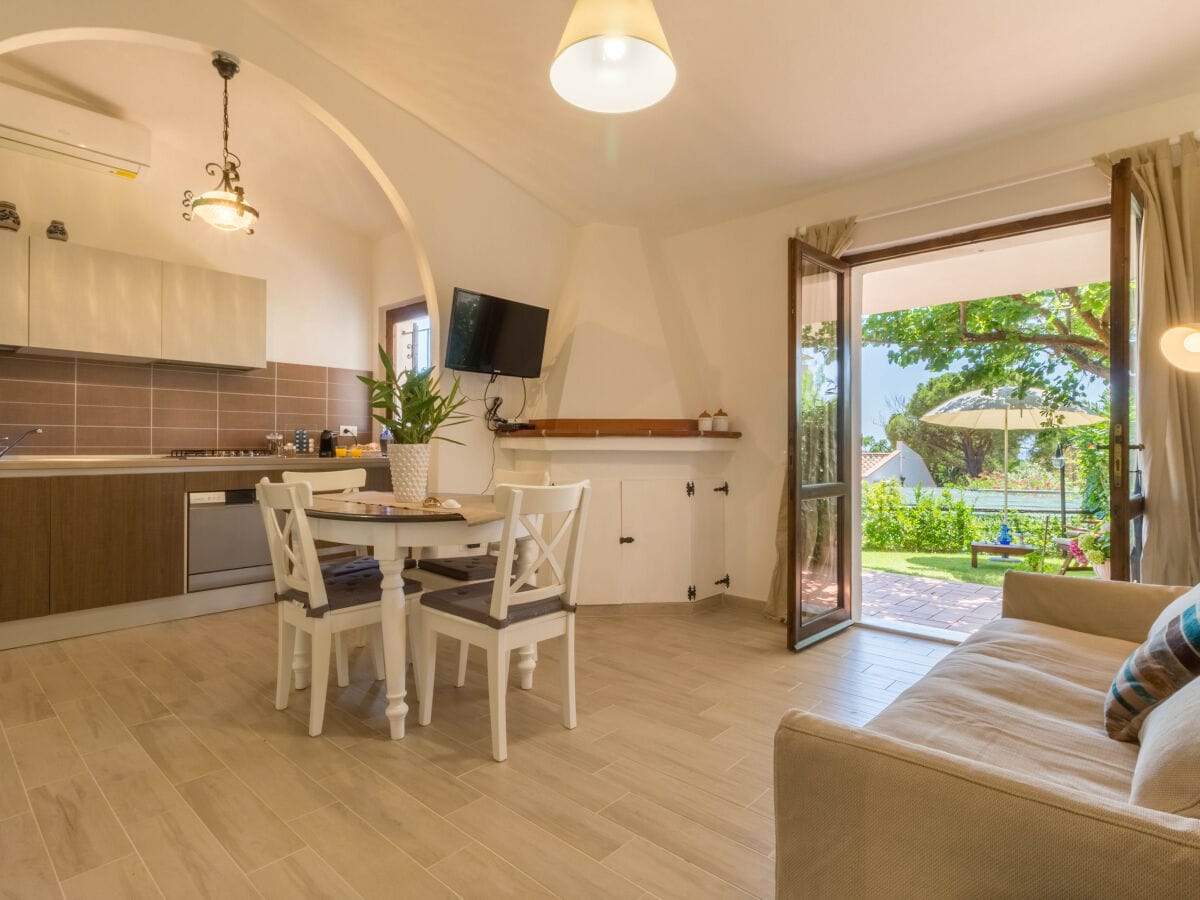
(1007, 409)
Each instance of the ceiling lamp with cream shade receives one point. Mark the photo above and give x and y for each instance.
(613, 57)
(1181, 346)
(224, 207)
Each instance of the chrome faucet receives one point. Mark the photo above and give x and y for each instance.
(12, 442)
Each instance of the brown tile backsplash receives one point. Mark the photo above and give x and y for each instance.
(89, 406)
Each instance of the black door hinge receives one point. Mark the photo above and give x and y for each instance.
(625, 540)
(723, 489)
(691, 592)
(724, 581)
(691, 488)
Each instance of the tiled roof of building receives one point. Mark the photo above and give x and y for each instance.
(872, 461)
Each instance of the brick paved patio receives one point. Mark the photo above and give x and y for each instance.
(956, 605)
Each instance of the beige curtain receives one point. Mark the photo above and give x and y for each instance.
(1168, 399)
(833, 238)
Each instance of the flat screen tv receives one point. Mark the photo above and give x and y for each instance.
(495, 336)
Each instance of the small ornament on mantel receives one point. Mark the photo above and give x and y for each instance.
(720, 420)
(56, 230)
(704, 421)
(9, 219)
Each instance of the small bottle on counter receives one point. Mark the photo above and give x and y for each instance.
(720, 420)
(704, 421)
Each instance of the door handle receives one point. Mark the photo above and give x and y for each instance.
(626, 540)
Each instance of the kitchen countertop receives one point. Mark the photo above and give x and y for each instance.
(29, 465)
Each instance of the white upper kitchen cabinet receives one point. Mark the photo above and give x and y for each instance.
(213, 318)
(86, 300)
(14, 289)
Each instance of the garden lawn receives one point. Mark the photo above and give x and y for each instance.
(944, 566)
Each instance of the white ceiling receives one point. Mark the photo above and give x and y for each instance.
(288, 156)
(775, 99)
(1064, 257)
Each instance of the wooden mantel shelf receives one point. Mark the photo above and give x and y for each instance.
(628, 428)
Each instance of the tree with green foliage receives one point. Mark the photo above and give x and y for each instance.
(952, 454)
(876, 445)
(1055, 339)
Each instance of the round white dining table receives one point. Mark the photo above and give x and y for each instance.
(390, 530)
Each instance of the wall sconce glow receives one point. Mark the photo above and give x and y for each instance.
(1181, 346)
(224, 207)
(613, 57)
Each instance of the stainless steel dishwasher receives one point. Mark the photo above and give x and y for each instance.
(226, 542)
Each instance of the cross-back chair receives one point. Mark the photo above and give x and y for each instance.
(512, 611)
(342, 481)
(321, 602)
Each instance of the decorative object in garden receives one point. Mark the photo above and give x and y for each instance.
(1094, 548)
(413, 410)
(1007, 409)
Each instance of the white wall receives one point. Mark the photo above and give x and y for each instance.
(606, 351)
(728, 283)
(318, 287)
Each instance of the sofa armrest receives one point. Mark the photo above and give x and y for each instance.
(862, 814)
(1114, 609)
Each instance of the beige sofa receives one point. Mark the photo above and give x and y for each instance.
(992, 776)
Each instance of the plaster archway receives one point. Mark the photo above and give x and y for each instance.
(295, 95)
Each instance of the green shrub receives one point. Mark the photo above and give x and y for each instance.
(938, 522)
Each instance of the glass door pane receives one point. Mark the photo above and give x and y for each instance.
(819, 598)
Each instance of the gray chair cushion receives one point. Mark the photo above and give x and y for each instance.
(473, 602)
(347, 584)
(461, 568)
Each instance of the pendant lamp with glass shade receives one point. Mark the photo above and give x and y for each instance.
(613, 57)
(224, 207)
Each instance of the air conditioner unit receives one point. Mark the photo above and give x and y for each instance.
(55, 130)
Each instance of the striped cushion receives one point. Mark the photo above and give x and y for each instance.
(1168, 660)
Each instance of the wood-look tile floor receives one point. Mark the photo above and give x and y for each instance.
(151, 762)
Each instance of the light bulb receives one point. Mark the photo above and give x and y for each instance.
(1191, 343)
(614, 49)
(221, 210)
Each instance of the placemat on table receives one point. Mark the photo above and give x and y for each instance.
(474, 512)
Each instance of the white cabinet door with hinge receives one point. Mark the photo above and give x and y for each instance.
(212, 317)
(600, 563)
(14, 289)
(94, 301)
(708, 536)
(656, 565)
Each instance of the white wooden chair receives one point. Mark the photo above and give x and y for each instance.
(342, 481)
(511, 612)
(321, 604)
(483, 567)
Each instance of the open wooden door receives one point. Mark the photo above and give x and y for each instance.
(1126, 500)
(818, 445)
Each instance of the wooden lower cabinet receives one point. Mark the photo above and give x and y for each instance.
(115, 539)
(24, 548)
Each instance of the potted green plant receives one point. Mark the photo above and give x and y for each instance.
(1095, 549)
(411, 406)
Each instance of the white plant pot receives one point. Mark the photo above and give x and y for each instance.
(1103, 570)
(410, 472)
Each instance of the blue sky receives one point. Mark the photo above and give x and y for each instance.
(882, 381)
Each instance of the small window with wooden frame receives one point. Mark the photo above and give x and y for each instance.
(408, 335)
